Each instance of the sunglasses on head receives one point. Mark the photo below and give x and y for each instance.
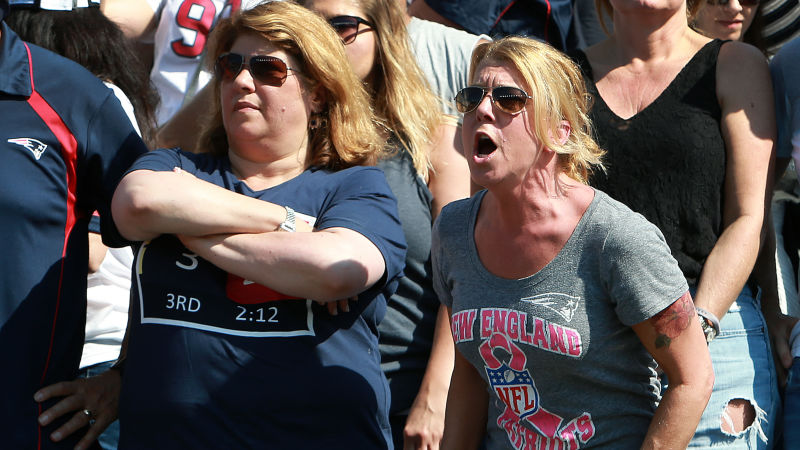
(347, 27)
(265, 69)
(508, 99)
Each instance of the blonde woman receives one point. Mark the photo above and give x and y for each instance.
(425, 173)
(226, 347)
(688, 123)
(562, 301)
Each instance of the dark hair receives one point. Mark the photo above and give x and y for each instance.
(89, 38)
(754, 34)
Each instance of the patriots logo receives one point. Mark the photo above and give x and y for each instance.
(565, 305)
(36, 147)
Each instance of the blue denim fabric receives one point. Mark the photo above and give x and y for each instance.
(743, 367)
(110, 437)
(791, 407)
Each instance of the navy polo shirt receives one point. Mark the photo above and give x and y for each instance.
(64, 144)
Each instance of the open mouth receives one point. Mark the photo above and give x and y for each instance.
(484, 145)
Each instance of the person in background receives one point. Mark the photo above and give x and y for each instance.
(84, 35)
(425, 173)
(785, 66)
(736, 20)
(688, 124)
(563, 302)
(67, 142)
(741, 20)
(175, 33)
(443, 55)
(546, 20)
(227, 345)
(781, 23)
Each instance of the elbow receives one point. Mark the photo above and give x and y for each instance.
(702, 382)
(344, 278)
(132, 207)
(342, 282)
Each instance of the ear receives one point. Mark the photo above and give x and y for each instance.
(564, 128)
(319, 99)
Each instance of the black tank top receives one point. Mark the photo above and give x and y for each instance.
(667, 162)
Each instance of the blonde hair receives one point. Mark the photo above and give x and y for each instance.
(558, 93)
(403, 101)
(347, 134)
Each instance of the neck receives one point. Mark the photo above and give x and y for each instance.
(266, 173)
(535, 199)
(649, 35)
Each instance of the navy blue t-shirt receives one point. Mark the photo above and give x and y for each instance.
(215, 361)
(65, 143)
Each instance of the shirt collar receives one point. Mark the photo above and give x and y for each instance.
(15, 75)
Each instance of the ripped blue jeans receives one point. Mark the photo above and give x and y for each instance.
(744, 372)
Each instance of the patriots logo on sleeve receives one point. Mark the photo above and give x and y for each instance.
(35, 146)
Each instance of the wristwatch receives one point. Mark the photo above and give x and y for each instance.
(289, 224)
(709, 323)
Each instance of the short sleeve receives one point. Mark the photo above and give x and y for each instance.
(643, 276)
(163, 160)
(112, 146)
(364, 203)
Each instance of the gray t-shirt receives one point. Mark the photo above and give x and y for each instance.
(556, 349)
(443, 54)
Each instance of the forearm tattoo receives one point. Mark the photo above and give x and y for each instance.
(671, 322)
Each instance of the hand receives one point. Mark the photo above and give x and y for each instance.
(98, 395)
(780, 328)
(335, 307)
(424, 426)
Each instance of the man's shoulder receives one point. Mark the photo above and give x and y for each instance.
(55, 74)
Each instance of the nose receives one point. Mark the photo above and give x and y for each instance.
(484, 109)
(734, 5)
(244, 80)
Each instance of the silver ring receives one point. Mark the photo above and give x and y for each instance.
(89, 415)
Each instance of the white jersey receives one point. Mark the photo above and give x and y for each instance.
(179, 41)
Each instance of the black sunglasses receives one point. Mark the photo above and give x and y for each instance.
(508, 99)
(741, 2)
(347, 27)
(267, 70)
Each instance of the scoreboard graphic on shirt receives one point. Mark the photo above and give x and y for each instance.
(176, 287)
